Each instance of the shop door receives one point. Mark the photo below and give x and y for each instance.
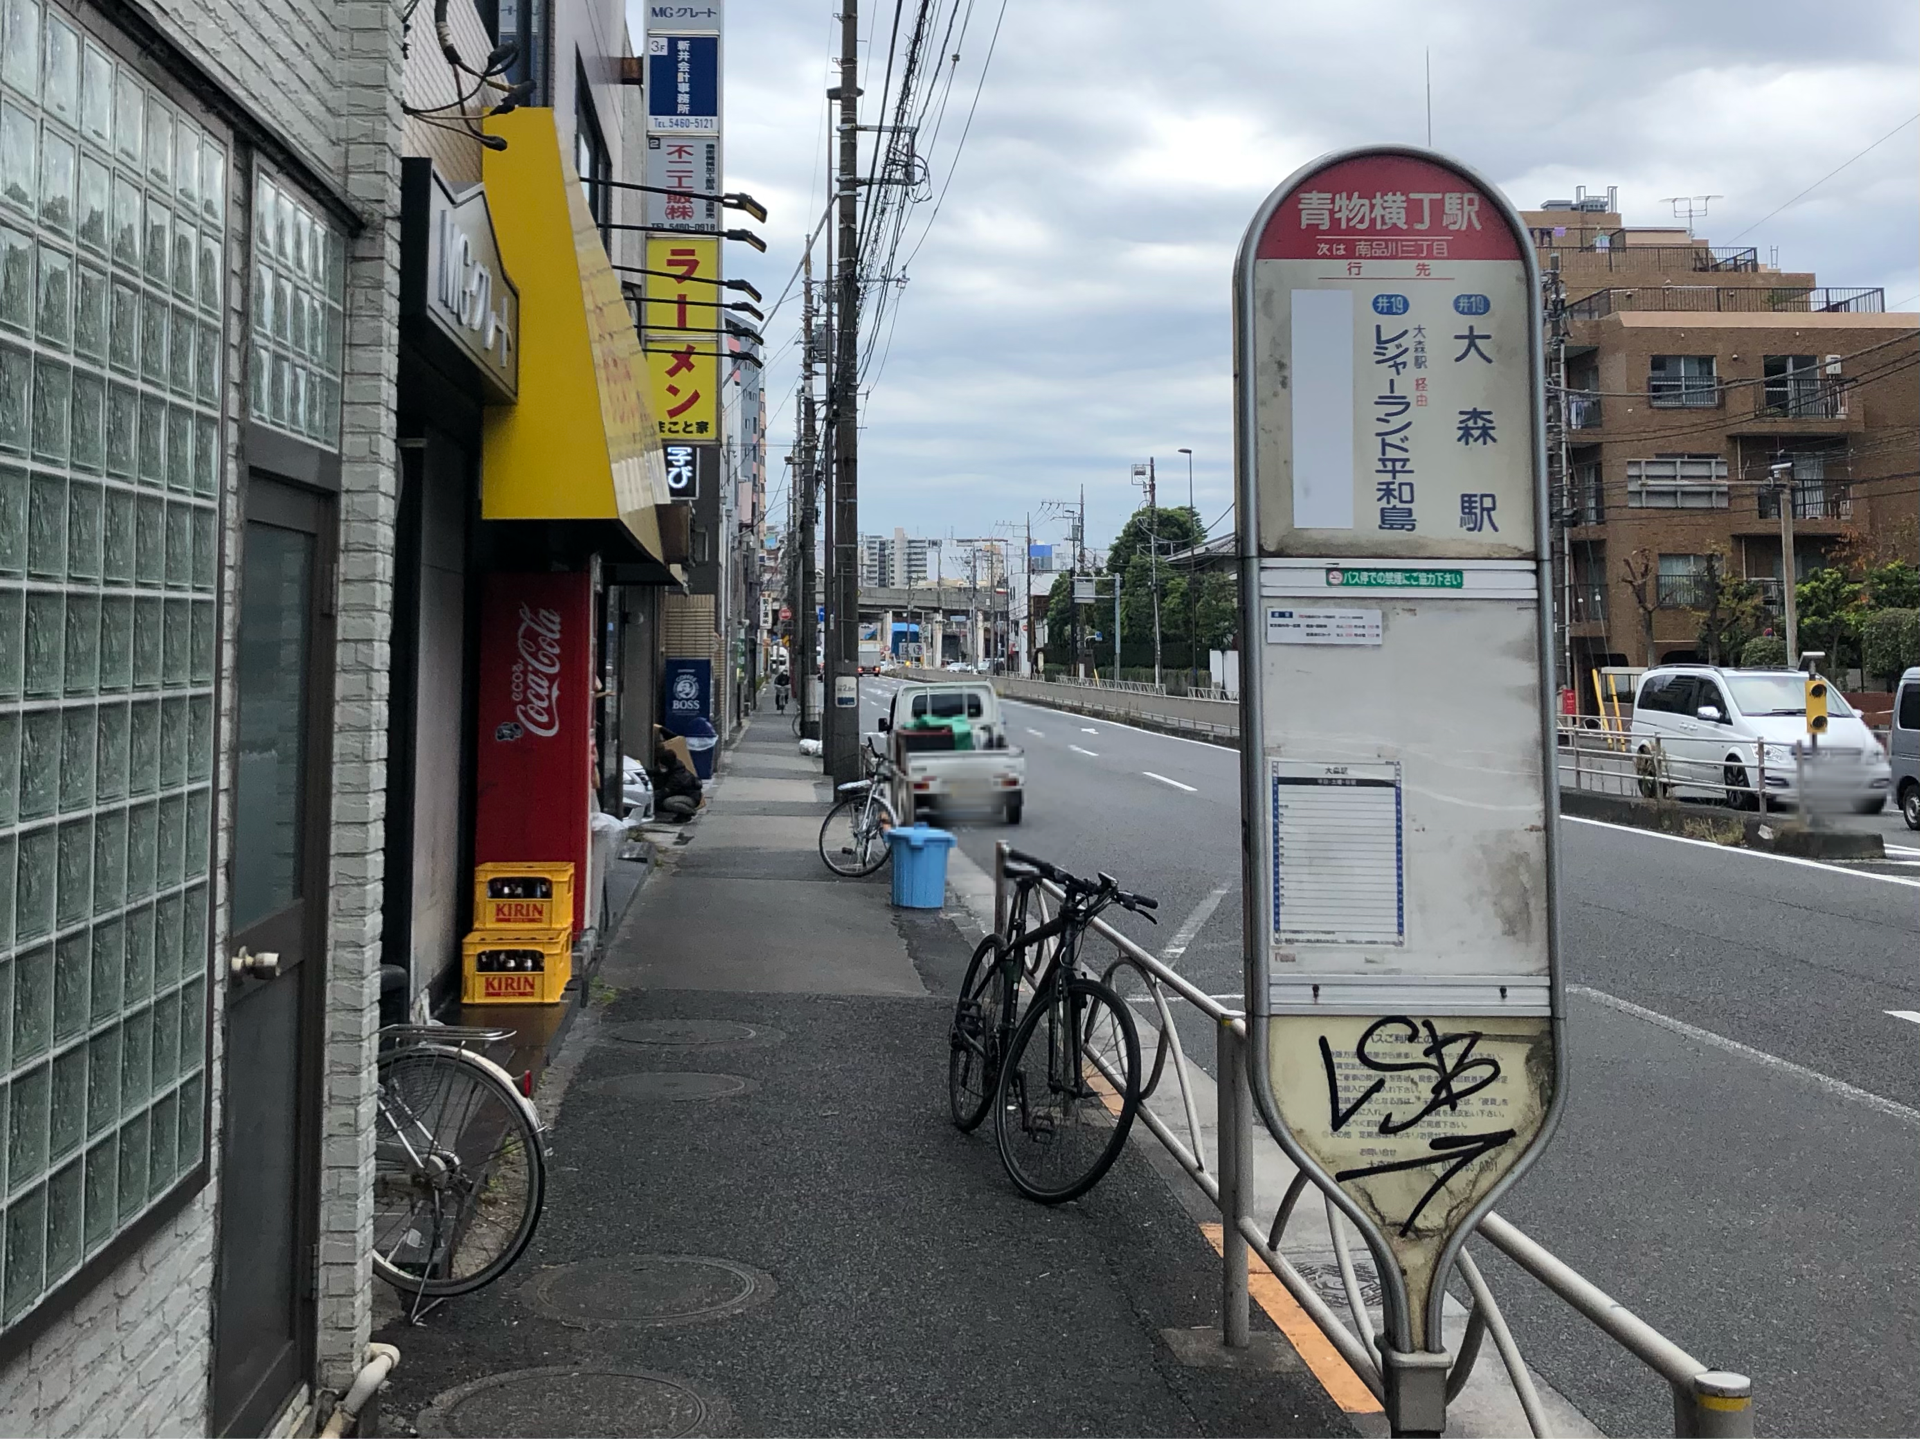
(283, 691)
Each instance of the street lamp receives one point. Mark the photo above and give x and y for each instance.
(1193, 598)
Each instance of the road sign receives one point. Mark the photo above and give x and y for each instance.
(1402, 972)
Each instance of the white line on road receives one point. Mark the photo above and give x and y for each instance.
(1119, 724)
(1904, 851)
(1912, 1016)
(1032, 731)
(1756, 853)
(1087, 752)
(1836, 1087)
(1088, 729)
(1174, 782)
(1202, 912)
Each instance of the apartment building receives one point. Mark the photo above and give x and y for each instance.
(895, 559)
(1704, 389)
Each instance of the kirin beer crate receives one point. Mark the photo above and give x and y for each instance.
(523, 896)
(504, 966)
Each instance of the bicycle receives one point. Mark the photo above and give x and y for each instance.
(1064, 1082)
(853, 837)
(459, 1163)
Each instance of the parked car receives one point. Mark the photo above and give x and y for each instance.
(1904, 742)
(636, 789)
(1720, 730)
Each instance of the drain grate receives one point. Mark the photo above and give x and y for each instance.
(650, 1086)
(648, 1289)
(558, 1402)
(693, 1033)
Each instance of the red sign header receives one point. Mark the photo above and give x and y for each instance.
(1388, 207)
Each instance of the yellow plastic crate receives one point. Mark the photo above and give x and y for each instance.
(505, 966)
(525, 895)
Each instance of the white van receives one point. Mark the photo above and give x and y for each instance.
(1719, 730)
(1904, 740)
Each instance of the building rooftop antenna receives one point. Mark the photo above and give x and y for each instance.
(1690, 207)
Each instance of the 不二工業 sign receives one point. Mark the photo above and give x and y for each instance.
(1396, 771)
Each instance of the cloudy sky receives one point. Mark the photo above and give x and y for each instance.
(1068, 312)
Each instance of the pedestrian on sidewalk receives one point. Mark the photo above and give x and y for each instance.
(780, 691)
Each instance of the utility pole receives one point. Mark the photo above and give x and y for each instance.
(843, 640)
(1193, 584)
(1781, 472)
(806, 475)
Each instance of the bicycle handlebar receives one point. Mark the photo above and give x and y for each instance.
(1104, 887)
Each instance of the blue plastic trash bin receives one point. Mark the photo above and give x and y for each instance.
(919, 865)
(701, 737)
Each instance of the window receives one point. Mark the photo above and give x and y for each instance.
(591, 161)
(299, 270)
(1664, 694)
(1589, 497)
(948, 704)
(1813, 497)
(1677, 482)
(1909, 713)
(1779, 694)
(1683, 582)
(110, 445)
(1683, 382)
(1800, 387)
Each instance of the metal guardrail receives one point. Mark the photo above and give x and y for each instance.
(1706, 1401)
(1767, 775)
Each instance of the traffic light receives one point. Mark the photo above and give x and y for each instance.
(1816, 706)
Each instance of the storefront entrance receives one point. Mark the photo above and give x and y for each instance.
(263, 1339)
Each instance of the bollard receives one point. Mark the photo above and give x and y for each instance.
(1234, 1141)
(1715, 1405)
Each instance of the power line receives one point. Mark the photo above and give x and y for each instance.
(1828, 176)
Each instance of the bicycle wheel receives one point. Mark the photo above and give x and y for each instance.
(1069, 1087)
(459, 1175)
(974, 1041)
(853, 840)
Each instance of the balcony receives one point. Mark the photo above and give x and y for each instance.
(1683, 592)
(1767, 592)
(1815, 500)
(1801, 399)
(1583, 410)
(1737, 299)
(1588, 603)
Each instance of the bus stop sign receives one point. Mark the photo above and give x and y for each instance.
(1399, 858)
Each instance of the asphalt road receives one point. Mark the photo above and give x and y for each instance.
(1738, 1158)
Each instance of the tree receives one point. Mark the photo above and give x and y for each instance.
(1730, 611)
(1061, 636)
(1890, 643)
(1641, 572)
(1893, 586)
(1829, 605)
(1178, 525)
(1765, 653)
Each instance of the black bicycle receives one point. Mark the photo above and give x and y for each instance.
(1064, 1081)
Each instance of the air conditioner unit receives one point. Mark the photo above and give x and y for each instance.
(1833, 364)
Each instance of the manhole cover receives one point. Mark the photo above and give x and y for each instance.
(648, 1289)
(560, 1401)
(653, 1085)
(693, 1033)
(1326, 1279)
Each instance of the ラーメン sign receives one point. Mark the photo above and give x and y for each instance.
(1399, 871)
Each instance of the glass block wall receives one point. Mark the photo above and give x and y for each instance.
(112, 206)
(293, 370)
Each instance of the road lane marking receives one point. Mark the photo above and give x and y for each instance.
(1174, 782)
(1189, 927)
(1336, 1376)
(1912, 1016)
(1904, 851)
(1032, 731)
(1839, 1088)
(1087, 752)
(1119, 724)
(1739, 849)
(1088, 729)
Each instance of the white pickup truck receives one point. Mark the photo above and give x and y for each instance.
(949, 748)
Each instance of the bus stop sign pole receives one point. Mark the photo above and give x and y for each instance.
(1400, 846)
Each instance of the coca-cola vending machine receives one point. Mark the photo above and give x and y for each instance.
(534, 766)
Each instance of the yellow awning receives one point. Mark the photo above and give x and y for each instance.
(582, 443)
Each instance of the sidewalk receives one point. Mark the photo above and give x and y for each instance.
(760, 1220)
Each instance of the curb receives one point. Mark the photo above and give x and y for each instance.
(1723, 827)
